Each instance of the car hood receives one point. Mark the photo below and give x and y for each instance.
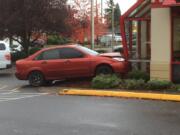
(112, 55)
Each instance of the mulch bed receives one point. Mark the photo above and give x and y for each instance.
(86, 83)
(75, 83)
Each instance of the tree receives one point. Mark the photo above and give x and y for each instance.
(81, 19)
(82, 10)
(21, 19)
(117, 15)
(108, 14)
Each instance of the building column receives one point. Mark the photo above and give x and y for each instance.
(160, 44)
(143, 45)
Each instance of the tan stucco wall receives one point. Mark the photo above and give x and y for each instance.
(160, 43)
(143, 44)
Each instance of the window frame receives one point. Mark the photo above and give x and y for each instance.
(80, 52)
(42, 53)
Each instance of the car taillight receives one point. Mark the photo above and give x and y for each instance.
(7, 56)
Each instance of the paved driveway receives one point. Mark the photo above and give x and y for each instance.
(25, 110)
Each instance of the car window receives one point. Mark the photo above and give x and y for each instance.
(88, 51)
(70, 53)
(48, 55)
(2, 46)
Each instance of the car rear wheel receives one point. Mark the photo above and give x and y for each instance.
(36, 79)
(104, 69)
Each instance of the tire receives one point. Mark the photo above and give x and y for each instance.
(104, 69)
(36, 79)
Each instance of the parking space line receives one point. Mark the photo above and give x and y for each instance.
(3, 87)
(19, 98)
(7, 94)
(11, 91)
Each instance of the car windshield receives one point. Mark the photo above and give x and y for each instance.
(87, 50)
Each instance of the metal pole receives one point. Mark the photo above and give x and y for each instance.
(112, 44)
(101, 8)
(92, 24)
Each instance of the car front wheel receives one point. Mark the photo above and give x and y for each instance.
(36, 79)
(104, 69)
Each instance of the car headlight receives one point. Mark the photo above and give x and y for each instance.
(119, 59)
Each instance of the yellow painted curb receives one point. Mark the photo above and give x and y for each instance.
(152, 96)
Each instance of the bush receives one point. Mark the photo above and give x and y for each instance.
(159, 85)
(18, 55)
(34, 50)
(105, 81)
(56, 40)
(86, 43)
(101, 51)
(137, 75)
(133, 84)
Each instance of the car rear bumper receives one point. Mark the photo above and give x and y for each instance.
(20, 76)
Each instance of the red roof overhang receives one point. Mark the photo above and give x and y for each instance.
(171, 3)
(140, 11)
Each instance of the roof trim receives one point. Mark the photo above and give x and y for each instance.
(171, 3)
(133, 8)
(137, 9)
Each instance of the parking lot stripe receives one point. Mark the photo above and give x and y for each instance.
(19, 96)
(11, 91)
(3, 87)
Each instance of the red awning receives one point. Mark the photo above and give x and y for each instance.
(171, 3)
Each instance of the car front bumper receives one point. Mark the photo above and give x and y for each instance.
(120, 67)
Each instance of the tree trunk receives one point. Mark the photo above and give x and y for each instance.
(26, 44)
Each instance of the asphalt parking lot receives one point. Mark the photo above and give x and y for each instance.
(8, 82)
(26, 110)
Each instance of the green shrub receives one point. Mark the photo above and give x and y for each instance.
(101, 51)
(18, 55)
(56, 40)
(159, 85)
(86, 43)
(133, 84)
(105, 81)
(33, 50)
(137, 75)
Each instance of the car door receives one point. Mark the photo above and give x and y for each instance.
(77, 64)
(51, 64)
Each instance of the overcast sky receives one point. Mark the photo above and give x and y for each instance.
(125, 4)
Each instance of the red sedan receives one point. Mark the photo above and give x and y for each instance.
(68, 61)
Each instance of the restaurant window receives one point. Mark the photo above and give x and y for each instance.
(176, 39)
(176, 44)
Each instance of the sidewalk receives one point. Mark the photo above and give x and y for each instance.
(121, 94)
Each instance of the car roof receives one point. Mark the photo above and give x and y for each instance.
(60, 46)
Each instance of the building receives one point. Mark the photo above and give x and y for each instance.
(157, 37)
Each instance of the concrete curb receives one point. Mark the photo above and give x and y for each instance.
(136, 95)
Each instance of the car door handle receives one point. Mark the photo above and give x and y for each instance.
(44, 62)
